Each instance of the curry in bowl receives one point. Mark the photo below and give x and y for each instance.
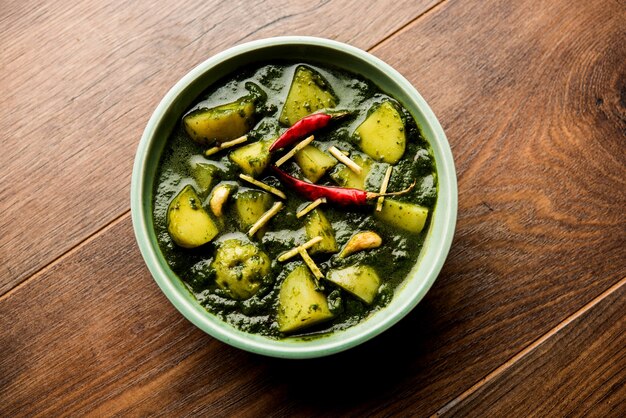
(293, 199)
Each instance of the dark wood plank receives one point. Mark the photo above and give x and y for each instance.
(532, 98)
(86, 327)
(74, 345)
(579, 372)
(80, 80)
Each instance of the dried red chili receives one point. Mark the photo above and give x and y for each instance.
(340, 195)
(304, 127)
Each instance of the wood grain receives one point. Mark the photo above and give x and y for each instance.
(533, 100)
(536, 116)
(116, 346)
(80, 80)
(579, 372)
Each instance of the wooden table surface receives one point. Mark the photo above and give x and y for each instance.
(528, 316)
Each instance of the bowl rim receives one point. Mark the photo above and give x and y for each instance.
(445, 215)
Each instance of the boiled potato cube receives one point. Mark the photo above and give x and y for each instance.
(300, 305)
(240, 268)
(188, 223)
(361, 281)
(345, 177)
(382, 135)
(308, 93)
(317, 225)
(250, 205)
(221, 123)
(407, 216)
(204, 174)
(313, 162)
(253, 159)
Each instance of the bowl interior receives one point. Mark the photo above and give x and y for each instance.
(304, 49)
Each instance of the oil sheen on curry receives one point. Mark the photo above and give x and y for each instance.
(293, 199)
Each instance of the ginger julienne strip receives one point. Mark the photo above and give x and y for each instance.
(225, 145)
(265, 218)
(294, 150)
(294, 251)
(262, 185)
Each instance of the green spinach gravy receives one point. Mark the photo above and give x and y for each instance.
(204, 210)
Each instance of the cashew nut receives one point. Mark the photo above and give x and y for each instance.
(361, 241)
(219, 197)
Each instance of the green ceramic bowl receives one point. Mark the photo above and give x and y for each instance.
(324, 51)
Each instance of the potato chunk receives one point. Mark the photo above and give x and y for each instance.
(313, 162)
(250, 205)
(361, 281)
(203, 173)
(253, 158)
(317, 225)
(407, 216)
(240, 268)
(188, 223)
(308, 93)
(300, 305)
(221, 123)
(382, 134)
(345, 177)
